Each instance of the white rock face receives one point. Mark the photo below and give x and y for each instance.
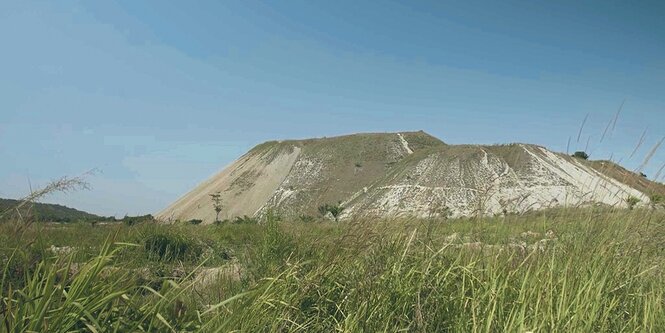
(490, 186)
(405, 144)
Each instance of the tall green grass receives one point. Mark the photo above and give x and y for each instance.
(567, 270)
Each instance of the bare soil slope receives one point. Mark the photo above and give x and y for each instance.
(245, 186)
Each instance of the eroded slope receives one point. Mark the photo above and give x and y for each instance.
(469, 180)
(404, 174)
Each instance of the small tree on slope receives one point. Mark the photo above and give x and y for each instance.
(217, 205)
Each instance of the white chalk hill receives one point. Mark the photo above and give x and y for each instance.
(405, 174)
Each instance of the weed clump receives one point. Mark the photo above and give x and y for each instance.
(171, 246)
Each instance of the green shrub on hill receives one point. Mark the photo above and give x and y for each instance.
(581, 154)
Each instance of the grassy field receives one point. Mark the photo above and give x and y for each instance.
(569, 270)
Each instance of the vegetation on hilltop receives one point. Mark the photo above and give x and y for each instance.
(44, 212)
(581, 155)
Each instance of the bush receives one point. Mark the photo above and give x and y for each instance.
(168, 246)
(195, 221)
(334, 210)
(245, 220)
(133, 220)
(581, 154)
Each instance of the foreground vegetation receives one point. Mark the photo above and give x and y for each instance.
(576, 270)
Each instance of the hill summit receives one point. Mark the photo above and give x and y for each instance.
(406, 174)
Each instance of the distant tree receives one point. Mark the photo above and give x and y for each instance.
(217, 205)
(632, 201)
(642, 174)
(133, 220)
(581, 154)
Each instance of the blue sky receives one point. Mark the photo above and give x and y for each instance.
(159, 95)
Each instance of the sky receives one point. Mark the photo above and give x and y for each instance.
(157, 96)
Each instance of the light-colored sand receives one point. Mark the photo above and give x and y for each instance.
(245, 186)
